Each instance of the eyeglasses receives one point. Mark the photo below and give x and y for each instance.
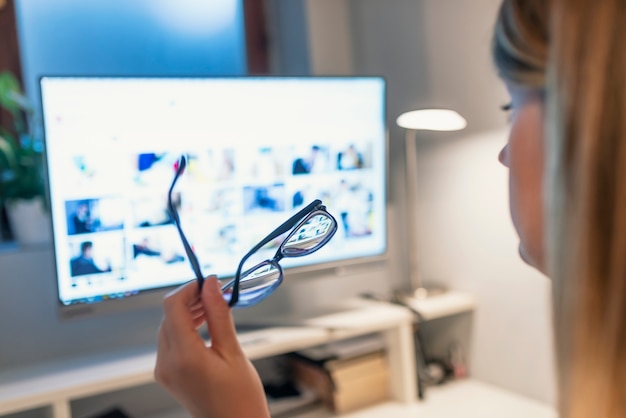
(307, 231)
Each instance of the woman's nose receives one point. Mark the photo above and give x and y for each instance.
(503, 156)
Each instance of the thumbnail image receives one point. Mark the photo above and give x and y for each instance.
(352, 204)
(94, 215)
(224, 162)
(200, 202)
(96, 255)
(215, 239)
(157, 247)
(152, 210)
(263, 164)
(93, 171)
(303, 193)
(86, 166)
(155, 169)
(264, 198)
(209, 166)
(224, 201)
(227, 237)
(298, 198)
(256, 231)
(217, 244)
(354, 157)
(313, 159)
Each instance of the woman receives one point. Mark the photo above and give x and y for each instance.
(564, 64)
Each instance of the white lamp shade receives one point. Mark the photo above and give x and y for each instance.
(432, 120)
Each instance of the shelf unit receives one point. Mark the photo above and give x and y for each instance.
(54, 386)
(466, 398)
(443, 305)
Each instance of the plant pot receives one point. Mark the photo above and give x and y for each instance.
(29, 221)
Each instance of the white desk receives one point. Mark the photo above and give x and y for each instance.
(443, 305)
(460, 399)
(54, 386)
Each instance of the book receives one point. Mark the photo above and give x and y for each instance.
(345, 385)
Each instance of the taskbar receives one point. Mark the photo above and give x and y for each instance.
(99, 298)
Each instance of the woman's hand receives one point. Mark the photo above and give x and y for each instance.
(216, 381)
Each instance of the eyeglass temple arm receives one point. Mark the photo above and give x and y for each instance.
(286, 226)
(195, 265)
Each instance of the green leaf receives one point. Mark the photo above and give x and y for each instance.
(7, 153)
(21, 158)
(10, 93)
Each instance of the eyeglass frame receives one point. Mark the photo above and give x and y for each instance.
(291, 224)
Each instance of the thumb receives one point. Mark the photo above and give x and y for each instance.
(218, 317)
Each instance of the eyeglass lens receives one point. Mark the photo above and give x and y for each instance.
(308, 237)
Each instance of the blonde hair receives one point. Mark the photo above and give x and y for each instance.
(574, 52)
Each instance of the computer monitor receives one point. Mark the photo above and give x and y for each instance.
(258, 148)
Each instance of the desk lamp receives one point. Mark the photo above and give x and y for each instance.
(413, 121)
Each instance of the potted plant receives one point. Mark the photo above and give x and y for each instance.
(22, 190)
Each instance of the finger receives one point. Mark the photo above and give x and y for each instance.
(162, 343)
(197, 305)
(198, 312)
(199, 317)
(198, 322)
(178, 321)
(219, 319)
(162, 355)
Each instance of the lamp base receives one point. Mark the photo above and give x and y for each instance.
(419, 293)
(427, 292)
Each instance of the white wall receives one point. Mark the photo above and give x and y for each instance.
(334, 17)
(435, 53)
(468, 243)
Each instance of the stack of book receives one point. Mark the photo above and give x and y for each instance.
(346, 375)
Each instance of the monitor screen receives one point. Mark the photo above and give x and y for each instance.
(258, 149)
